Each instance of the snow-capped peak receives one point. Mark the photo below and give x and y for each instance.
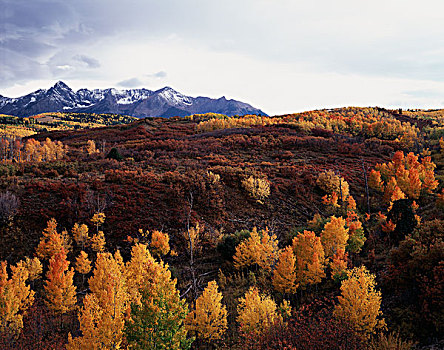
(138, 102)
(174, 97)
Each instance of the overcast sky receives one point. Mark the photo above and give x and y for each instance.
(278, 55)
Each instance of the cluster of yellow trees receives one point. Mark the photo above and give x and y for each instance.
(304, 263)
(353, 121)
(136, 303)
(31, 150)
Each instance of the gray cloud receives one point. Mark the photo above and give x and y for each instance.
(136, 82)
(382, 38)
(130, 83)
(89, 61)
(159, 75)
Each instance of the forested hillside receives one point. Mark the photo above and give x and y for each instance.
(316, 230)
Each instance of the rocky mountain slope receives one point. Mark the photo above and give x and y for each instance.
(165, 102)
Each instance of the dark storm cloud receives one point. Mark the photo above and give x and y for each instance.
(33, 36)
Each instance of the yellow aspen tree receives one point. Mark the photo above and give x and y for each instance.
(258, 188)
(102, 315)
(51, 243)
(284, 274)
(269, 250)
(34, 267)
(98, 220)
(80, 234)
(192, 237)
(98, 242)
(256, 312)
(160, 243)
(247, 251)
(261, 249)
(15, 297)
(137, 269)
(60, 293)
(359, 302)
(157, 318)
(209, 317)
(91, 147)
(310, 259)
(83, 264)
(334, 236)
(330, 182)
(375, 181)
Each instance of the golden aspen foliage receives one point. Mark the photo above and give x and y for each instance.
(334, 236)
(83, 264)
(213, 178)
(285, 309)
(310, 260)
(98, 220)
(160, 243)
(359, 302)
(157, 318)
(52, 242)
(257, 187)
(60, 293)
(98, 242)
(338, 265)
(284, 274)
(261, 249)
(329, 182)
(374, 180)
(247, 251)
(102, 315)
(34, 267)
(192, 237)
(91, 147)
(209, 317)
(256, 312)
(269, 250)
(80, 234)
(141, 265)
(15, 297)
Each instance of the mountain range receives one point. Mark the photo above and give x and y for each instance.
(165, 102)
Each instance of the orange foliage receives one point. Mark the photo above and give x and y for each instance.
(59, 288)
(310, 259)
(284, 274)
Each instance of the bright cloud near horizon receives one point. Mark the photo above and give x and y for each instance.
(280, 56)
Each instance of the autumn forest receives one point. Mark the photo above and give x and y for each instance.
(315, 230)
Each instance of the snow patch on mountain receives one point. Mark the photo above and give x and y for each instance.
(137, 102)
